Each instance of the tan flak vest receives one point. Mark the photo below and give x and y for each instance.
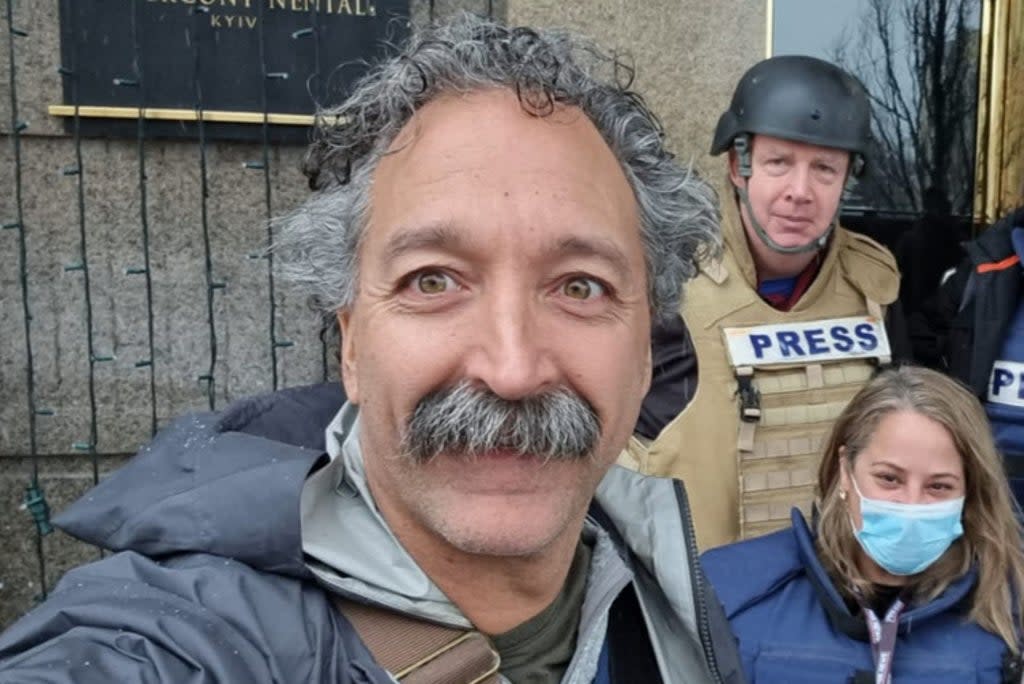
(744, 473)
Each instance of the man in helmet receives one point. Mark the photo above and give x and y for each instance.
(779, 331)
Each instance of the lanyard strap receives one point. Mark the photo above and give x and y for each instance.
(883, 639)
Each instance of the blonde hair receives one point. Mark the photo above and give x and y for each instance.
(992, 536)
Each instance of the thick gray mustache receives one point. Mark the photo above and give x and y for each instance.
(469, 420)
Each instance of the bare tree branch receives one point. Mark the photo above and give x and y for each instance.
(918, 59)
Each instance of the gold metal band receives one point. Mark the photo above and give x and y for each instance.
(1000, 136)
(212, 115)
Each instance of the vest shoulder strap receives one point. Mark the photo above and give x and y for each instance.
(869, 266)
(415, 651)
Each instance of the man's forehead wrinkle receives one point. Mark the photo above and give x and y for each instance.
(436, 236)
(575, 245)
(444, 236)
(777, 145)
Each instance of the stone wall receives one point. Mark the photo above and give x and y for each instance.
(688, 54)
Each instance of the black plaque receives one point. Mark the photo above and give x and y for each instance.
(215, 56)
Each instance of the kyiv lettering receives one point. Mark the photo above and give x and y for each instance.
(232, 21)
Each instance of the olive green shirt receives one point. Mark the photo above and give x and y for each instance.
(539, 650)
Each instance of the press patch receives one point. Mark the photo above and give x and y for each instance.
(1006, 384)
(834, 339)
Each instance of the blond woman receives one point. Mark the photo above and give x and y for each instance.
(912, 569)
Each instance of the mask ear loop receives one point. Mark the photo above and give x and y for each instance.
(816, 511)
(843, 495)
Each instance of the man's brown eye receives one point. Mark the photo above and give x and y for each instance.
(582, 288)
(432, 282)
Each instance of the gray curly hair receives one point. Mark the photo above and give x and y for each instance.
(319, 241)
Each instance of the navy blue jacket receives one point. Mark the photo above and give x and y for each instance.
(793, 626)
(979, 302)
(964, 327)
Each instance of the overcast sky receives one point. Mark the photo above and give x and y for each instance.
(811, 27)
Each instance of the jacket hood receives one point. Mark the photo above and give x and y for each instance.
(201, 484)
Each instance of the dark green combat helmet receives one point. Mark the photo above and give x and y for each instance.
(799, 98)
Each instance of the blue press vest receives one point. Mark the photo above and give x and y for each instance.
(1004, 402)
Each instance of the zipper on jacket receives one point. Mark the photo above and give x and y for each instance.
(697, 581)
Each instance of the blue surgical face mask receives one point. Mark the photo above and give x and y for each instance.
(904, 539)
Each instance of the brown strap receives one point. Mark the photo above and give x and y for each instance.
(419, 652)
(874, 308)
(745, 436)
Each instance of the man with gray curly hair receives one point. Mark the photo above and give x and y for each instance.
(495, 221)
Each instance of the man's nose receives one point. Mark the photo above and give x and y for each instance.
(511, 354)
(799, 189)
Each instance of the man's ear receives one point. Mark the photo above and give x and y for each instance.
(648, 369)
(349, 377)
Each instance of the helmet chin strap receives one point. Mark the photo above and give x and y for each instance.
(742, 147)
